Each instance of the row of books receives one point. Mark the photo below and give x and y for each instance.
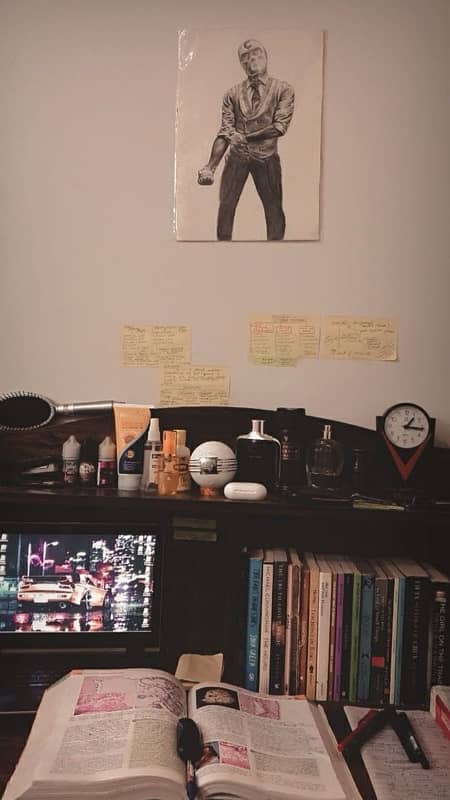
(339, 628)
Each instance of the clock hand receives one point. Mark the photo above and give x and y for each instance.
(409, 423)
(414, 428)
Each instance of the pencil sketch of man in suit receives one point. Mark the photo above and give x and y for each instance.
(255, 113)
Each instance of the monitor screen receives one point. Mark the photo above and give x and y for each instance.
(83, 583)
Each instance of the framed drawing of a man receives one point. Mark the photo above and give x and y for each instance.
(248, 138)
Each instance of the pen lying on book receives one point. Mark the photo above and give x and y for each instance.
(368, 725)
(189, 749)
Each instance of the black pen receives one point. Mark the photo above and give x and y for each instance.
(408, 738)
(189, 748)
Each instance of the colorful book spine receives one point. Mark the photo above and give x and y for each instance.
(398, 642)
(354, 652)
(323, 629)
(395, 640)
(251, 673)
(266, 621)
(340, 577)
(294, 659)
(304, 628)
(278, 627)
(288, 636)
(347, 615)
(379, 633)
(388, 640)
(312, 626)
(365, 637)
(331, 664)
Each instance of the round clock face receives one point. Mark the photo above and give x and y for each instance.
(406, 425)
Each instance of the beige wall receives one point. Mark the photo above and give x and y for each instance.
(87, 99)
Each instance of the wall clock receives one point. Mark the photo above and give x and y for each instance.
(405, 441)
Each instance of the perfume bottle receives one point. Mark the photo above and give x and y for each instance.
(152, 457)
(183, 454)
(258, 456)
(325, 461)
(168, 473)
(288, 428)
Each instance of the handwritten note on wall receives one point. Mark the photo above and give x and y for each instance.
(279, 340)
(359, 338)
(154, 345)
(194, 385)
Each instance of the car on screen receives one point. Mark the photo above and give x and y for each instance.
(77, 591)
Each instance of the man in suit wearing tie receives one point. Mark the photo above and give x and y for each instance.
(255, 113)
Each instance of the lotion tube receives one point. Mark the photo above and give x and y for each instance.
(131, 421)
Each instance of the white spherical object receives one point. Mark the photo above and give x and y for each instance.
(212, 465)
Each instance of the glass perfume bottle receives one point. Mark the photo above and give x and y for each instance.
(168, 473)
(182, 453)
(288, 428)
(325, 461)
(258, 456)
(152, 457)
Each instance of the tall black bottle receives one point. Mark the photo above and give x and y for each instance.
(288, 427)
(258, 456)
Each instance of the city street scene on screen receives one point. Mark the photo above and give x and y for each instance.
(77, 582)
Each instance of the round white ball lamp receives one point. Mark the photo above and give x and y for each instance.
(211, 466)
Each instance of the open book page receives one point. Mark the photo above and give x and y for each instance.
(393, 776)
(262, 746)
(97, 725)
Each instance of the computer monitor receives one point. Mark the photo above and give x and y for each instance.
(65, 586)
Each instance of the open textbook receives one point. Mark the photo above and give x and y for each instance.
(112, 734)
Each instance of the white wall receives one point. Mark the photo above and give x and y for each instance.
(87, 99)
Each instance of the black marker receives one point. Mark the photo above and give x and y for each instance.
(408, 738)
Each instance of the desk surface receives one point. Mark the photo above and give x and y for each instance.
(15, 728)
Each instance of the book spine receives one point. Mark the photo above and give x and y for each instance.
(365, 638)
(440, 635)
(304, 623)
(346, 636)
(323, 635)
(331, 665)
(398, 643)
(356, 611)
(378, 645)
(278, 630)
(312, 634)
(266, 622)
(338, 636)
(415, 637)
(394, 642)
(294, 661)
(388, 640)
(288, 637)
(253, 623)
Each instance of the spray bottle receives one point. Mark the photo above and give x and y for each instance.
(152, 457)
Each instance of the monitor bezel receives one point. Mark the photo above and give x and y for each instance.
(133, 642)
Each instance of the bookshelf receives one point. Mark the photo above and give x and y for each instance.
(204, 582)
